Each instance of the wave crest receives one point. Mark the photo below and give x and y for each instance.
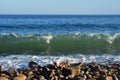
(86, 43)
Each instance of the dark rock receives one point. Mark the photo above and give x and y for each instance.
(114, 77)
(33, 64)
(5, 73)
(41, 77)
(1, 69)
(71, 71)
(50, 66)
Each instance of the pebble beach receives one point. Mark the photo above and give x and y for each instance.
(63, 71)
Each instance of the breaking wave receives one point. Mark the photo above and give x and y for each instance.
(48, 44)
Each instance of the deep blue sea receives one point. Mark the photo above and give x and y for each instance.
(47, 38)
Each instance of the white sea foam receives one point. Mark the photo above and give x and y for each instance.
(21, 61)
(48, 38)
(111, 38)
(14, 34)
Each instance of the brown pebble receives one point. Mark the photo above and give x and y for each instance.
(109, 78)
(97, 74)
(3, 78)
(20, 77)
(55, 64)
(30, 74)
(52, 73)
(62, 64)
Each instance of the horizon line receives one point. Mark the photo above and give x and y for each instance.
(59, 14)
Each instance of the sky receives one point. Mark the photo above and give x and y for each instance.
(59, 6)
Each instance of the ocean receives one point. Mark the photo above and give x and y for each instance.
(48, 38)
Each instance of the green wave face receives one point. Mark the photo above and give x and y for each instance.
(49, 44)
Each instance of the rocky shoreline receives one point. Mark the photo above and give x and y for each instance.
(63, 71)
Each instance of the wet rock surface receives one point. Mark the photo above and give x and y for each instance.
(63, 71)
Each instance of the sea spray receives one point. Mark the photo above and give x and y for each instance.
(21, 61)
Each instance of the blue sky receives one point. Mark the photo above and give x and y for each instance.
(59, 6)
